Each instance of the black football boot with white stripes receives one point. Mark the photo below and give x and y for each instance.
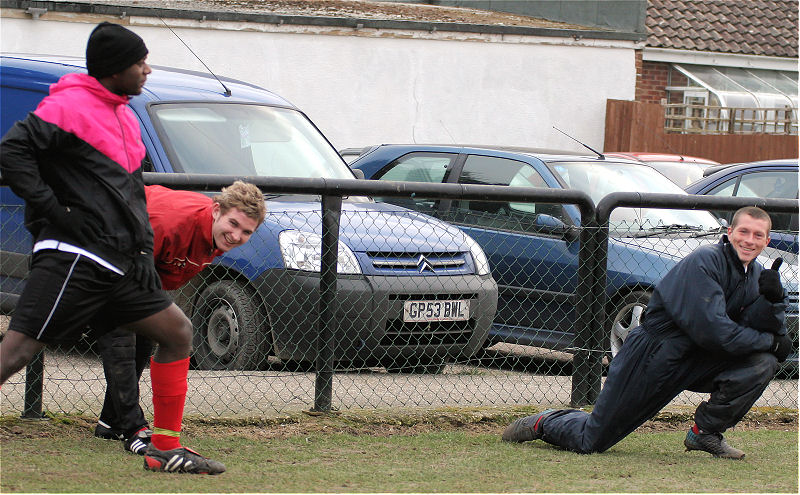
(180, 460)
(139, 441)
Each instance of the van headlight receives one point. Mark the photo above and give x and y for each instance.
(303, 251)
(478, 257)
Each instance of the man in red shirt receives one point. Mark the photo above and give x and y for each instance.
(189, 231)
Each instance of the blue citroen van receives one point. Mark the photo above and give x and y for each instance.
(413, 291)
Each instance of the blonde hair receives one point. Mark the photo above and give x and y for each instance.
(245, 197)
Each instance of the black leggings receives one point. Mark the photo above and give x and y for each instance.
(125, 355)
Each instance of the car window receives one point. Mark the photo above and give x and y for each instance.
(773, 184)
(417, 167)
(681, 173)
(490, 170)
(768, 184)
(726, 189)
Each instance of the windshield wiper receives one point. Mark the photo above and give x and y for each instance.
(675, 228)
(717, 231)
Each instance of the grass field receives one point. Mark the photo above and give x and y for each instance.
(434, 451)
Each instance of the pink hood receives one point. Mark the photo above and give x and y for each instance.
(80, 105)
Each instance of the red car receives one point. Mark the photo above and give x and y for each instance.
(680, 169)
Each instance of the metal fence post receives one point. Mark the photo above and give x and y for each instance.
(323, 385)
(598, 336)
(34, 387)
(587, 358)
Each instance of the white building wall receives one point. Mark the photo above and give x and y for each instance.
(369, 86)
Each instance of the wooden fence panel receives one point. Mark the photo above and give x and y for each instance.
(637, 126)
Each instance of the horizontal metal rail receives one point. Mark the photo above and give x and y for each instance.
(687, 202)
(357, 187)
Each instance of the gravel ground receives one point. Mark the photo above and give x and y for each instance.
(75, 385)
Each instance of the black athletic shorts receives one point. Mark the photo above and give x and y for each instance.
(65, 292)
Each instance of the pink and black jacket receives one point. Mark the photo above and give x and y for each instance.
(81, 148)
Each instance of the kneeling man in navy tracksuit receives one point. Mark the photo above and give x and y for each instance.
(715, 323)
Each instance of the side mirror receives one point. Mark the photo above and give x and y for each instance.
(552, 223)
(358, 173)
(544, 220)
(724, 217)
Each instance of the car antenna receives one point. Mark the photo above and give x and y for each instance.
(227, 91)
(600, 155)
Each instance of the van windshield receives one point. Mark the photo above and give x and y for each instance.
(244, 139)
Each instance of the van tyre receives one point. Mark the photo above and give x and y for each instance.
(230, 328)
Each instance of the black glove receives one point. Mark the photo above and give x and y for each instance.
(781, 347)
(769, 283)
(144, 271)
(76, 223)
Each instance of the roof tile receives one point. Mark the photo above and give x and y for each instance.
(751, 27)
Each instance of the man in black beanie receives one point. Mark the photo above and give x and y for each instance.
(112, 49)
(77, 162)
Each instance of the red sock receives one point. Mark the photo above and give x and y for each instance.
(169, 395)
(696, 429)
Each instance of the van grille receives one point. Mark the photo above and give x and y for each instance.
(425, 264)
(431, 297)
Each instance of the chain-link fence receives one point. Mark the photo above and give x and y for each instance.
(353, 304)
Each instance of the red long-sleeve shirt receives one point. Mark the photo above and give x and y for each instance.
(182, 243)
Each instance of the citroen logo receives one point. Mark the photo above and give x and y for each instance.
(423, 264)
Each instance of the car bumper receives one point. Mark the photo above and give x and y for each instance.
(369, 315)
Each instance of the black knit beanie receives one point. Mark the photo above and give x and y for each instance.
(112, 49)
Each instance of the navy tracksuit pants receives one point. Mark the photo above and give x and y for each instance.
(649, 371)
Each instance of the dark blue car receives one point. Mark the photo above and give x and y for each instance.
(764, 179)
(413, 291)
(533, 248)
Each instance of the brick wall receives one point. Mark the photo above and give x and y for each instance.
(651, 79)
(638, 67)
